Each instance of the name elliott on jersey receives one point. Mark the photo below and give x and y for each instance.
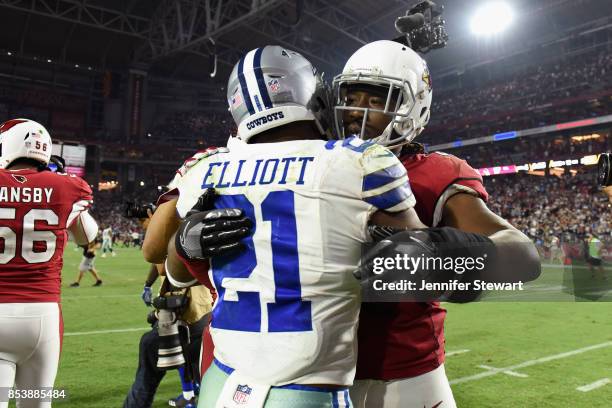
(286, 170)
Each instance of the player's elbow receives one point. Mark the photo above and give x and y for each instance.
(518, 257)
(154, 251)
(531, 264)
(84, 229)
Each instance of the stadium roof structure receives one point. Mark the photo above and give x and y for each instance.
(177, 38)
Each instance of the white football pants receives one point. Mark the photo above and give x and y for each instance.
(429, 390)
(30, 341)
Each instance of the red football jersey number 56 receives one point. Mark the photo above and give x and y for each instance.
(30, 235)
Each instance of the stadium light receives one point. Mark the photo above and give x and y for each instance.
(491, 18)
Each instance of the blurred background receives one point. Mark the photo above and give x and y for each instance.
(129, 89)
(132, 88)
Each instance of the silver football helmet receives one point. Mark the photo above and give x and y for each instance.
(273, 86)
(403, 74)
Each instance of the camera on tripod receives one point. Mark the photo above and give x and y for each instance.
(604, 170)
(423, 27)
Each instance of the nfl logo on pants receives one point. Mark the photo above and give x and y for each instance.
(241, 396)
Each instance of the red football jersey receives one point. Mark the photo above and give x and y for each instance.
(403, 340)
(36, 208)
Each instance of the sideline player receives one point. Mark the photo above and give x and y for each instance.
(37, 206)
(401, 345)
(285, 318)
(556, 253)
(107, 241)
(87, 264)
(594, 260)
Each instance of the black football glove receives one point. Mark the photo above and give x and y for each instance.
(211, 233)
(424, 246)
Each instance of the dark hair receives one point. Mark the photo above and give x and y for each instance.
(412, 148)
(40, 166)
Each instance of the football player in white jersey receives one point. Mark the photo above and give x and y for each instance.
(107, 241)
(556, 253)
(284, 324)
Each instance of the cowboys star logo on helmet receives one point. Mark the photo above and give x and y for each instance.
(257, 79)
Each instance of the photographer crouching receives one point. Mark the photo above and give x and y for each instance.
(177, 324)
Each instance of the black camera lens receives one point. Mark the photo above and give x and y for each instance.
(604, 176)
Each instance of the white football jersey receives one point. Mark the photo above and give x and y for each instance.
(288, 306)
(107, 233)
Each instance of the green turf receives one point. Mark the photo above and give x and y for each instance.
(98, 369)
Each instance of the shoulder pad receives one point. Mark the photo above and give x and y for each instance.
(200, 155)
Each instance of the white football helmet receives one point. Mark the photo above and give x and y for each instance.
(273, 86)
(24, 139)
(404, 73)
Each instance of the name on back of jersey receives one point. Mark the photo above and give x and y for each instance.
(242, 173)
(25, 194)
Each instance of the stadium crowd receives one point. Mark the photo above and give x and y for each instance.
(533, 149)
(542, 207)
(536, 96)
(108, 210)
(211, 128)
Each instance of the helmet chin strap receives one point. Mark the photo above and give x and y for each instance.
(391, 133)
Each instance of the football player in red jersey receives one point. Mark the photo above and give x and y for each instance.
(403, 349)
(384, 93)
(37, 208)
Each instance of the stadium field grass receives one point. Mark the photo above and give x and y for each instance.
(97, 366)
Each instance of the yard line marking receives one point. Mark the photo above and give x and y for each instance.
(549, 265)
(595, 385)
(98, 296)
(530, 363)
(107, 331)
(454, 353)
(512, 373)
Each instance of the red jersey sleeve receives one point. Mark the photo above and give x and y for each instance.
(80, 196)
(438, 176)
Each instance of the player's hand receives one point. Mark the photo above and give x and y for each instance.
(424, 258)
(147, 295)
(205, 202)
(212, 233)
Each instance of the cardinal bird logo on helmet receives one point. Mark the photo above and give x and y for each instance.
(426, 78)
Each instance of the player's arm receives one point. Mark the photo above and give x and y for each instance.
(406, 219)
(165, 220)
(84, 229)
(517, 256)
(202, 235)
(608, 191)
(162, 226)
(180, 272)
